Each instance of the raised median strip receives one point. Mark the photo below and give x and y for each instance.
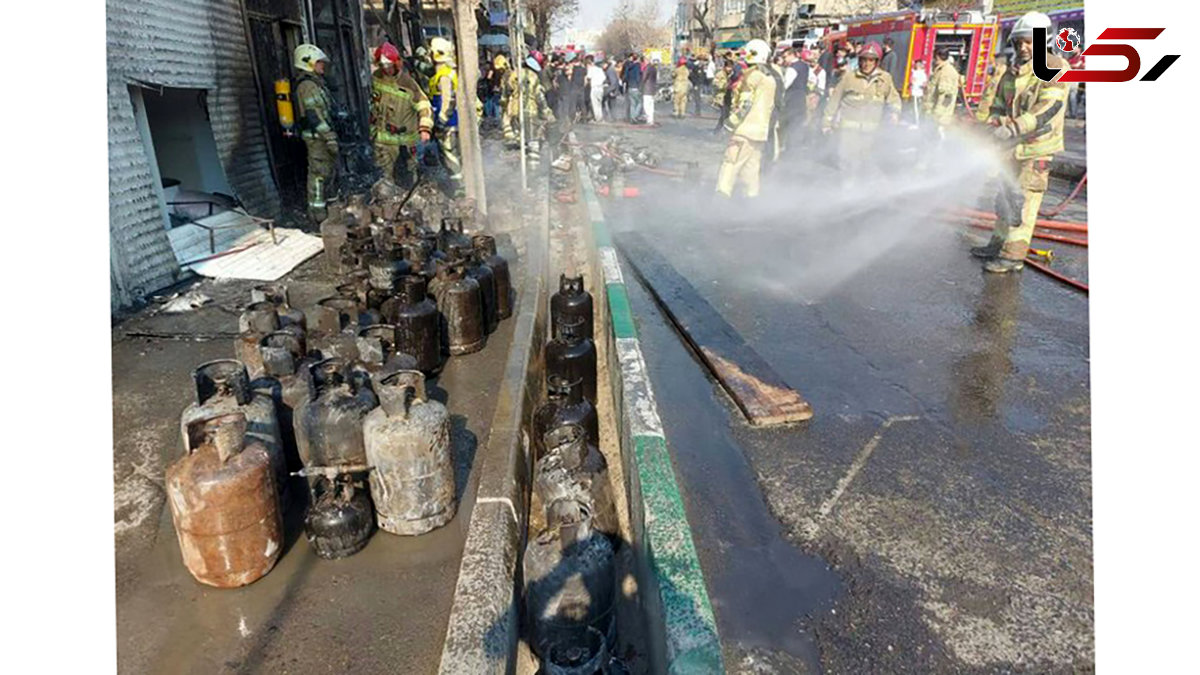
(681, 628)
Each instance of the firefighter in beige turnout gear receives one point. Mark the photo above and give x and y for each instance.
(1023, 109)
(535, 108)
(858, 106)
(754, 121)
(443, 93)
(314, 108)
(942, 91)
(400, 114)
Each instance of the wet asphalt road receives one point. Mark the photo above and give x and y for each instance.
(935, 515)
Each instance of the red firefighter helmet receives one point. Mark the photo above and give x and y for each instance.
(871, 50)
(387, 53)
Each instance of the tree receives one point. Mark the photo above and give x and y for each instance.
(547, 15)
(635, 26)
(703, 13)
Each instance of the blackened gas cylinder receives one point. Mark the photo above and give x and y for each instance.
(572, 356)
(571, 300)
(335, 322)
(485, 252)
(415, 317)
(339, 520)
(377, 351)
(409, 448)
(570, 580)
(223, 387)
(451, 235)
(573, 654)
(329, 423)
(285, 380)
(385, 272)
(461, 307)
(482, 274)
(564, 404)
(573, 468)
(225, 504)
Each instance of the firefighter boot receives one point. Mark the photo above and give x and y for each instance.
(988, 250)
(1003, 265)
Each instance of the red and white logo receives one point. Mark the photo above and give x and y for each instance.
(1068, 40)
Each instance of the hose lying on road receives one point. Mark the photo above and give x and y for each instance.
(1065, 226)
(1070, 198)
(980, 225)
(1055, 275)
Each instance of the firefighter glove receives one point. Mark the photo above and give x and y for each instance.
(1002, 133)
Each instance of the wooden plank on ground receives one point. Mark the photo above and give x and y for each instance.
(761, 394)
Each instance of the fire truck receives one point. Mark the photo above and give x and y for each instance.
(970, 37)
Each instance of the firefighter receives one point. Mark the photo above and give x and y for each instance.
(858, 106)
(754, 121)
(400, 114)
(1025, 111)
(681, 86)
(941, 92)
(443, 91)
(314, 107)
(535, 107)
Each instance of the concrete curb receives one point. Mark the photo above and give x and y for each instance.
(682, 631)
(483, 630)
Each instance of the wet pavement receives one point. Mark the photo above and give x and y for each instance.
(935, 515)
(381, 609)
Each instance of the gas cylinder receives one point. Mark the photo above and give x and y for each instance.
(573, 467)
(420, 257)
(570, 580)
(415, 317)
(223, 387)
(377, 351)
(286, 380)
(329, 423)
(408, 444)
(225, 503)
(339, 520)
(358, 247)
(572, 655)
(335, 323)
(258, 319)
(482, 274)
(277, 294)
(385, 270)
(571, 300)
(452, 234)
(564, 404)
(461, 308)
(333, 235)
(573, 356)
(485, 252)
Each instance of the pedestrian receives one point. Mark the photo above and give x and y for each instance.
(816, 83)
(680, 86)
(650, 88)
(888, 62)
(710, 72)
(633, 87)
(612, 87)
(727, 83)
(696, 82)
(916, 84)
(401, 115)
(1027, 113)
(577, 81)
(314, 109)
(595, 79)
(754, 122)
(858, 106)
(795, 111)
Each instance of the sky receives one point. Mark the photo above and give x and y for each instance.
(593, 14)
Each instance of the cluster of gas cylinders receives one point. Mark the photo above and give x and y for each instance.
(336, 394)
(569, 570)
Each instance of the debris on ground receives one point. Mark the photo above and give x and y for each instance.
(183, 302)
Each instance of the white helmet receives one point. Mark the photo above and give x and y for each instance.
(757, 51)
(306, 56)
(1024, 26)
(442, 50)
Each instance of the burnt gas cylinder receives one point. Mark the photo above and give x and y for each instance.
(564, 404)
(482, 274)
(452, 234)
(258, 319)
(485, 252)
(572, 654)
(333, 236)
(461, 306)
(571, 300)
(329, 424)
(377, 351)
(385, 270)
(277, 294)
(572, 356)
(225, 504)
(339, 520)
(573, 468)
(415, 317)
(223, 387)
(570, 580)
(286, 380)
(335, 323)
(420, 257)
(408, 446)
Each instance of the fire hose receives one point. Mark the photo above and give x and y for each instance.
(1070, 198)
(1046, 223)
(980, 225)
(1055, 275)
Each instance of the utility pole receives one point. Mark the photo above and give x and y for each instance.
(516, 27)
(465, 30)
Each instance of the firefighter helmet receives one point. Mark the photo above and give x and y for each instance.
(757, 51)
(1023, 28)
(871, 50)
(442, 50)
(387, 53)
(500, 63)
(306, 57)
